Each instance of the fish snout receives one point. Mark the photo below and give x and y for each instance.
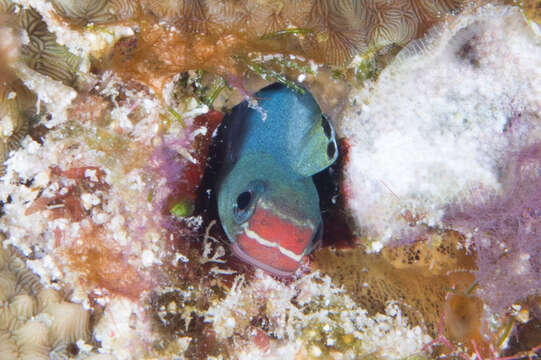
(275, 241)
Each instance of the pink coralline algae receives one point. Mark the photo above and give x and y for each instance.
(506, 233)
(169, 164)
(181, 172)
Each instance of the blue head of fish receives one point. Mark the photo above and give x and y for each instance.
(267, 201)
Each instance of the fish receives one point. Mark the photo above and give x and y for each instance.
(268, 204)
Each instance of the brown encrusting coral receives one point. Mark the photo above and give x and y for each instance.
(532, 10)
(36, 322)
(84, 12)
(42, 53)
(226, 34)
(416, 276)
(432, 281)
(16, 111)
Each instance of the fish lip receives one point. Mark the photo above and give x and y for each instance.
(316, 242)
(317, 239)
(265, 267)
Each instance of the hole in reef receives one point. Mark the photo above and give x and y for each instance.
(466, 43)
(206, 203)
(336, 229)
(72, 349)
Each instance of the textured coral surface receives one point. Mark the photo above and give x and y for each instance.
(111, 247)
(36, 322)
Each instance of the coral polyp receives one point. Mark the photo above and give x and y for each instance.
(164, 9)
(187, 15)
(41, 52)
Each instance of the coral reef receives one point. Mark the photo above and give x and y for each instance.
(75, 215)
(112, 250)
(40, 51)
(36, 322)
(15, 99)
(314, 311)
(452, 153)
(96, 12)
(229, 32)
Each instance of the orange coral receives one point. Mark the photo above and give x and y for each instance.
(187, 15)
(158, 53)
(101, 266)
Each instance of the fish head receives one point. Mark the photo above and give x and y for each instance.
(270, 215)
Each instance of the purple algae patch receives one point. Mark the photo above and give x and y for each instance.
(506, 232)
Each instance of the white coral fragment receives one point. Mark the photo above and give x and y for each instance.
(122, 328)
(460, 101)
(295, 312)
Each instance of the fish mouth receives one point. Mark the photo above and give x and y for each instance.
(317, 239)
(259, 264)
(275, 254)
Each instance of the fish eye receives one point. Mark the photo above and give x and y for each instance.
(244, 204)
(243, 200)
(242, 209)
